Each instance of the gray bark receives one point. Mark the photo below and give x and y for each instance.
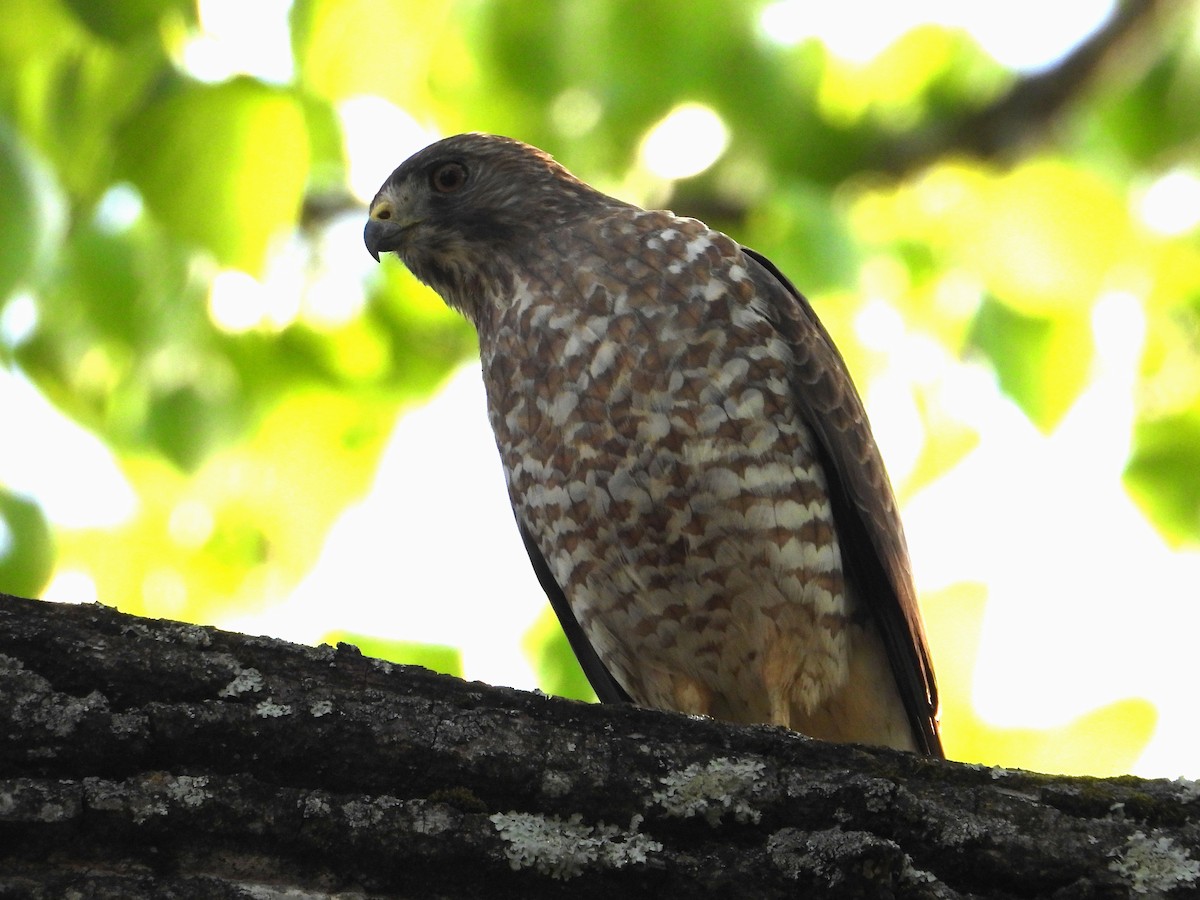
(146, 758)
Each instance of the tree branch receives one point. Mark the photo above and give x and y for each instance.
(151, 758)
(1015, 120)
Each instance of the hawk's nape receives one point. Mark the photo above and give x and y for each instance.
(688, 460)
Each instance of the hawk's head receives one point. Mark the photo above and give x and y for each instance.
(459, 212)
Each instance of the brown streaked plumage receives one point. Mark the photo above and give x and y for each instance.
(687, 457)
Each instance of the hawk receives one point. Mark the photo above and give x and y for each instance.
(688, 460)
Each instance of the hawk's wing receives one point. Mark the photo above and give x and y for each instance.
(874, 553)
(597, 673)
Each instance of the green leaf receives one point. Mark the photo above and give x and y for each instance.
(558, 671)
(1162, 474)
(349, 47)
(128, 19)
(67, 90)
(28, 218)
(1045, 236)
(26, 548)
(1041, 362)
(435, 657)
(326, 148)
(427, 339)
(1154, 115)
(800, 230)
(124, 345)
(223, 166)
(182, 426)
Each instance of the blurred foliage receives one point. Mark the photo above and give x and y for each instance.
(559, 672)
(26, 546)
(231, 211)
(447, 660)
(1109, 739)
(134, 196)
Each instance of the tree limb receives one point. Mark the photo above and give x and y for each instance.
(151, 758)
(1017, 118)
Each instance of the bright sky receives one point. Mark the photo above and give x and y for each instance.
(1024, 35)
(464, 563)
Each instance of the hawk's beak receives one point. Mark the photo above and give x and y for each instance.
(382, 235)
(389, 220)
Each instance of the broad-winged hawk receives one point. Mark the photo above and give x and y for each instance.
(688, 460)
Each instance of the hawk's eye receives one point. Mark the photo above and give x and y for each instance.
(448, 177)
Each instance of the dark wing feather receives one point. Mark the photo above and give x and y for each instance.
(597, 673)
(875, 555)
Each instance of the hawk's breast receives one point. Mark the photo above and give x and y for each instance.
(642, 407)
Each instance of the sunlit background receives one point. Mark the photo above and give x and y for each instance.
(219, 408)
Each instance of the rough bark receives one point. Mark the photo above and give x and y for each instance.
(151, 758)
